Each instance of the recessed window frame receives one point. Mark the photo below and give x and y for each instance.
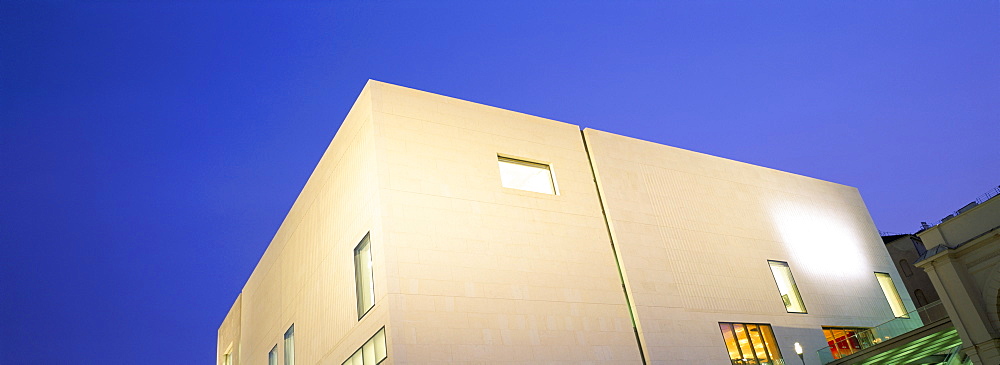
(290, 345)
(372, 352)
(863, 337)
(772, 264)
(272, 356)
(227, 356)
(512, 160)
(905, 267)
(765, 338)
(920, 298)
(895, 301)
(364, 276)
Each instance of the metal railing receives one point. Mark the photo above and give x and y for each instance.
(979, 200)
(863, 339)
(755, 362)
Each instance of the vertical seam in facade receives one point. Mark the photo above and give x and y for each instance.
(614, 249)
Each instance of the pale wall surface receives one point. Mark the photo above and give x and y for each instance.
(229, 334)
(467, 271)
(696, 231)
(481, 273)
(306, 276)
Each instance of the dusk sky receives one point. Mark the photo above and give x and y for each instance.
(149, 149)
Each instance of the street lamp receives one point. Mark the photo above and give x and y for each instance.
(798, 351)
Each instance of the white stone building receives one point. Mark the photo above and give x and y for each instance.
(441, 231)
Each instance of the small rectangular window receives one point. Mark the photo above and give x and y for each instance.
(750, 343)
(290, 346)
(889, 289)
(272, 356)
(524, 175)
(363, 281)
(786, 287)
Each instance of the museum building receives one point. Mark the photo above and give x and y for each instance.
(440, 231)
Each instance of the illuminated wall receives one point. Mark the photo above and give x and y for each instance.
(696, 233)
(470, 266)
(306, 276)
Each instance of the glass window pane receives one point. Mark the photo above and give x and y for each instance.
(744, 341)
(357, 359)
(770, 342)
(786, 287)
(380, 353)
(368, 350)
(272, 356)
(750, 343)
(889, 289)
(727, 334)
(757, 342)
(524, 175)
(844, 341)
(290, 346)
(364, 283)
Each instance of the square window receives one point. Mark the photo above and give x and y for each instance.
(525, 175)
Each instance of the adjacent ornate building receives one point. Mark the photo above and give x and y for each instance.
(963, 262)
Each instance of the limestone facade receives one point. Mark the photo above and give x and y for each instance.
(640, 254)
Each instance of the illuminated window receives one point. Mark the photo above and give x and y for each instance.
(750, 343)
(290, 346)
(905, 266)
(371, 353)
(524, 175)
(889, 289)
(786, 287)
(227, 359)
(272, 356)
(363, 281)
(844, 341)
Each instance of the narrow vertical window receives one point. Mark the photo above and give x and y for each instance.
(272, 356)
(889, 289)
(227, 359)
(786, 287)
(524, 175)
(363, 281)
(290, 346)
(919, 296)
(750, 343)
(905, 267)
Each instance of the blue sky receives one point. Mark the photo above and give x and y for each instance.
(151, 149)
